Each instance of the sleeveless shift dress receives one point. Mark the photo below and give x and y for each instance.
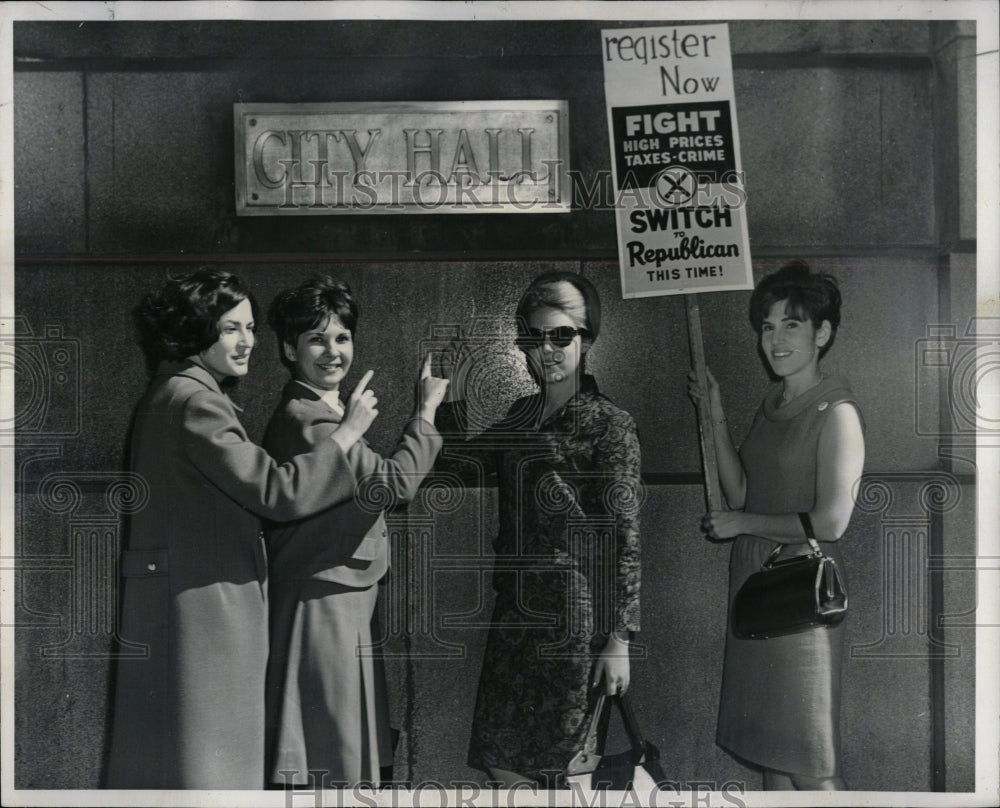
(780, 702)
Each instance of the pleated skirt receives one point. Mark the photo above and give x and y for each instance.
(328, 706)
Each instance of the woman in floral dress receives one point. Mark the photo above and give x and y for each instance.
(566, 578)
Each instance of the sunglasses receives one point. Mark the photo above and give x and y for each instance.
(559, 337)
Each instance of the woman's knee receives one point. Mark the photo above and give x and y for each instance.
(782, 781)
(777, 781)
(506, 778)
(803, 782)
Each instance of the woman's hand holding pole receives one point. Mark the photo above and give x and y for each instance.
(729, 466)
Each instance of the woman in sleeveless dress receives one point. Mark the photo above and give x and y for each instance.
(799, 466)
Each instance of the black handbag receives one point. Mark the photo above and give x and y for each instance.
(791, 594)
(637, 768)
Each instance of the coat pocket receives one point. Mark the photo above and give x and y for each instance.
(371, 546)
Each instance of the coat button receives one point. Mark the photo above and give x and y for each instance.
(151, 566)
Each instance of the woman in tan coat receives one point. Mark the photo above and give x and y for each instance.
(189, 709)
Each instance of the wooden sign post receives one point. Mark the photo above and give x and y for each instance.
(706, 429)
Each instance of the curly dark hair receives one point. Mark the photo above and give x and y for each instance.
(296, 311)
(181, 318)
(809, 296)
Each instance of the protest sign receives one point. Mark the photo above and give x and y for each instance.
(675, 160)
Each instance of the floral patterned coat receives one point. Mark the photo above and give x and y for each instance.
(566, 569)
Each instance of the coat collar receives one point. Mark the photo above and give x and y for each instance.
(191, 370)
(329, 397)
(186, 367)
(296, 391)
(531, 407)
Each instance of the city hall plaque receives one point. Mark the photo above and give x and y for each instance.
(435, 157)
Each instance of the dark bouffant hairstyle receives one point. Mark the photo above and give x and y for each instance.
(295, 311)
(809, 295)
(546, 291)
(181, 318)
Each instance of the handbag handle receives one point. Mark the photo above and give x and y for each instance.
(588, 760)
(828, 570)
(597, 732)
(631, 725)
(807, 526)
(810, 537)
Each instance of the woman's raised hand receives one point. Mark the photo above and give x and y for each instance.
(430, 391)
(361, 412)
(361, 406)
(455, 367)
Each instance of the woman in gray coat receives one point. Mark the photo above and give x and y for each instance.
(327, 696)
(189, 708)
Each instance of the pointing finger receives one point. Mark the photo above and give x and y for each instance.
(360, 388)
